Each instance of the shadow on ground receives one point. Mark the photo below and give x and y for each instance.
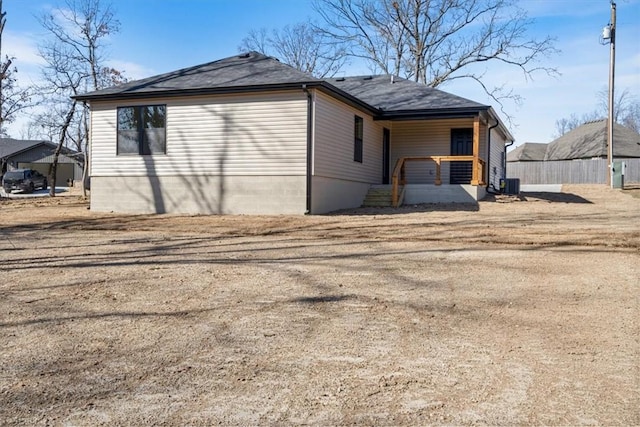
(406, 209)
(536, 196)
(321, 299)
(554, 197)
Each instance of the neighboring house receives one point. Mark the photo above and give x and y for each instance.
(250, 135)
(577, 157)
(528, 152)
(38, 155)
(589, 141)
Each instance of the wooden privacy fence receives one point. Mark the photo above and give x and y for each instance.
(570, 171)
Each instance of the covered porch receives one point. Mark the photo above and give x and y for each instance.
(444, 159)
(452, 192)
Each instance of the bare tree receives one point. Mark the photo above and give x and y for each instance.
(12, 98)
(565, 125)
(302, 46)
(74, 63)
(63, 78)
(438, 41)
(626, 109)
(631, 117)
(33, 130)
(626, 112)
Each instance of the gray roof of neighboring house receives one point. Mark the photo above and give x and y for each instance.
(528, 152)
(10, 147)
(590, 140)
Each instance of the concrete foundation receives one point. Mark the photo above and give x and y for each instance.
(330, 194)
(200, 194)
(429, 193)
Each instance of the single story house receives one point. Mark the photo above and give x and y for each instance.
(38, 155)
(251, 135)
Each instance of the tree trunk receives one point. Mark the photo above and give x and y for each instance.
(56, 154)
(85, 169)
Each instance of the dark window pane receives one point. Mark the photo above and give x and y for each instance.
(358, 139)
(359, 128)
(154, 141)
(127, 118)
(154, 116)
(357, 155)
(128, 142)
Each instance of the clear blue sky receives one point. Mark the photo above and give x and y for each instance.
(162, 35)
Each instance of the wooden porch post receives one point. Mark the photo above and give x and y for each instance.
(438, 178)
(475, 169)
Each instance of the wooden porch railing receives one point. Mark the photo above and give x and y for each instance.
(398, 177)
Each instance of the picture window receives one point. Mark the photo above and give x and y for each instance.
(142, 130)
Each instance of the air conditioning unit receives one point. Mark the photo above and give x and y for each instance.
(510, 185)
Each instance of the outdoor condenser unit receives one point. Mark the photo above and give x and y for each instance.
(510, 185)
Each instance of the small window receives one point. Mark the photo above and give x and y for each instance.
(358, 138)
(141, 130)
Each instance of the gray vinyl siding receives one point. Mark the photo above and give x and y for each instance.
(497, 162)
(239, 135)
(427, 138)
(334, 142)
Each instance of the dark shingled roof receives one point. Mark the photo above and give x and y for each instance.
(528, 152)
(590, 140)
(400, 94)
(253, 71)
(10, 147)
(249, 70)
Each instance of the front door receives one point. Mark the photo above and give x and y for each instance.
(386, 149)
(461, 145)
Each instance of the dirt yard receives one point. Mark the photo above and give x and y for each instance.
(517, 311)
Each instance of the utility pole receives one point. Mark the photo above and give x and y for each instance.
(609, 33)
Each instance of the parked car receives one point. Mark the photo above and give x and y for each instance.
(26, 180)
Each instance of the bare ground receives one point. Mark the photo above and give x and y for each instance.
(516, 311)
